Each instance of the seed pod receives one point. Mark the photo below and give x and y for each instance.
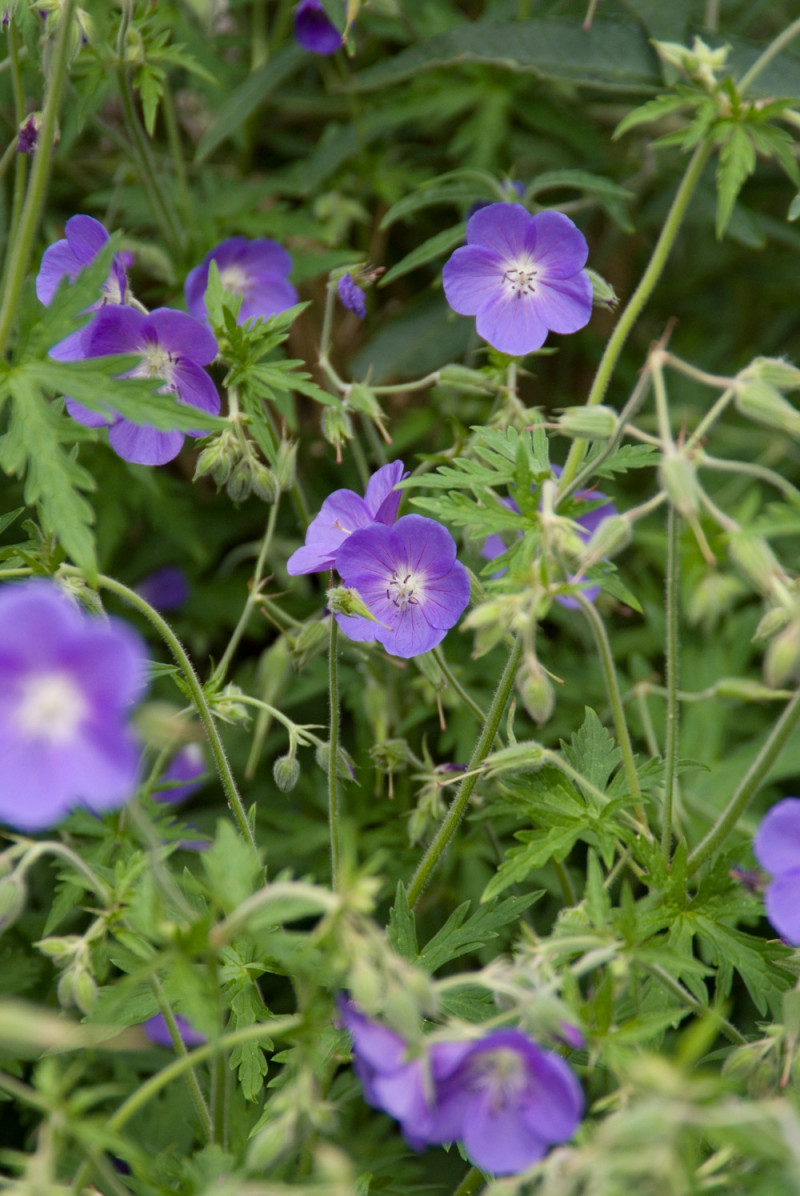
(678, 478)
(588, 423)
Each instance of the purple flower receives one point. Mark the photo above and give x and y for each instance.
(342, 513)
(156, 1030)
(67, 683)
(314, 30)
(352, 296)
(256, 270)
(28, 135)
(521, 275)
(587, 526)
(189, 766)
(173, 347)
(165, 588)
(508, 1101)
(65, 259)
(777, 849)
(409, 578)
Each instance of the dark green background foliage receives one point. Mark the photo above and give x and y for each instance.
(203, 121)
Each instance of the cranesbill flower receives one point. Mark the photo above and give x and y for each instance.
(410, 580)
(314, 30)
(521, 276)
(342, 513)
(166, 588)
(157, 1031)
(587, 525)
(777, 849)
(508, 1101)
(173, 347)
(67, 685)
(187, 766)
(257, 270)
(351, 295)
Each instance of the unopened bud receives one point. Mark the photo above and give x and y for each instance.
(84, 990)
(536, 690)
(361, 398)
(755, 558)
(286, 771)
(12, 900)
(743, 689)
(711, 597)
(588, 423)
(337, 428)
(763, 402)
(217, 459)
(782, 658)
(240, 481)
(62, 949)
(286, 464)
(344, 764)
(309, 643)
(517, 757)
(771, 623)
(264, 483)
(390, 754)
(678, 477)
(341, 600)
(603, 294)
(609, 538)
(461, 378)
(776, 371)
(228, 706)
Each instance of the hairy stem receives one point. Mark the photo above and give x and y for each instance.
(334, 813)
(195, 1091)
(671, 661)
(772, 51)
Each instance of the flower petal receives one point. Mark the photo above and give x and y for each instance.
(183, 335)
(512, 322)
(498, 1141)
(782, 901)
(565, 305)
(777, 843)
(144, 444)
(471, 277)
(58, 261)
(559, 247)
(381, 497)
(422, 545)
(503, 228)
(87, 417)
(86, 237)
(268, 296)
(115, 329)
(446, 597)
(411, 634)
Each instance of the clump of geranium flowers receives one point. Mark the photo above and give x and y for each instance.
(404, 570)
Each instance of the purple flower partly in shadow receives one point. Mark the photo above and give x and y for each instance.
(522, 276)
(257, 270)
(165, 588)
(68, 682)
(173, 347)
(351, 295)
(314, 30)
(777, 849)
(588, 524)
(410, 580)
(65, 259)
(187, 766)
(342, 513)
(156, 1030)
(508, 1101)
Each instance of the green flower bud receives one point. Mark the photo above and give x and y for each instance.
(84, 990)
(240, 481)
(603, 294)
(345, 769)
(588, 423)
(757, 561)
(361, 398)
(337, 428)
(390, 754)
(774, 370)
(744, 690)
(714, 594)
(459, 377)
(609, 538)
(525, 756)
(264, 483)
(761, 401)
(536, 690)
(341, 600)
(286, 464)
(62, 949)
(309, 643)
(782, 659)
(678, 476)
(13, 895)
(772, 622)
(286, 771)
(218, 459)
(227, 706)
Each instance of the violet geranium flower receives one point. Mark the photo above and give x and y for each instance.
(342, 513)
(521, 276)
(188, 766)
(409, 578)
(777, 849)
(314, 30)
(257, 270)
(166, 588)
(173, 347)
(67, 684)
(588, 524)
(352, 296)
(157, 1031)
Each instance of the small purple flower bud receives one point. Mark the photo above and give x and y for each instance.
(28, 134)
(156, 1030)
(165, 588)
(314, 30)
(352, 296)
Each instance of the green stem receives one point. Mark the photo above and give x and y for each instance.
(614, 695)
(195, 1090)
(470, 1184)
(457, 810)
(21, 166)
(22, 244)
(750, 469)
(639, 298)
(196, 691)
(174, 138)
(683, 994)
(456, 685)
(672, 662)
(772, 51)
(334, 813)
(273, 1028)
(103, 891)
(252, 597)
(627, 413)
(749, 785)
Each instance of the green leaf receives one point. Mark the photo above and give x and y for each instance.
(402, 931)
(763, 964)
(243, 101)
(651, 111)
(592, 751)
(459, 937)
(463, 186)
(611, 55)
(540, 847)
(596, 898)
(737, 161)
(435, 246)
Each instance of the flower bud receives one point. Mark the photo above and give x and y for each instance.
(776, 371)
(517, 757)
(588, 423)
(743, 689)
(337, 428)
(536, 690)
(390, 754)
(603, 294)
(344, 764)
(755, 558)
(84, 990)
(62, 949)
(263, 481)
(609, 538)
(12, 900)
(218, 458)
(459, 377)
(711, 597)
(678, 477)
(227, 706)
(782, 658)
(286, 771)
(309, 643)
(240, 481)
(761, 401)
(341, 600)
(771, 623)
(286, 464)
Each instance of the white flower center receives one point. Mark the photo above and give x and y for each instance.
(520, 278)
(51, 708)
(501, 1073)
(403, 590)
(156, 362)
(234, 278)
